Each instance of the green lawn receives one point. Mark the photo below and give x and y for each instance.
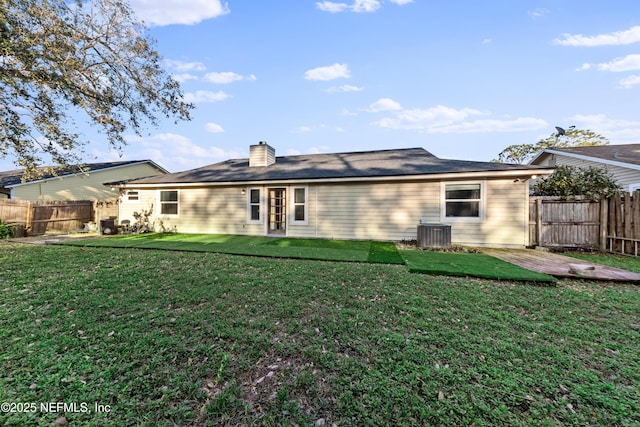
(320, 249)
(469, 264)
(618, 261)
(166, 338)
(456, 264)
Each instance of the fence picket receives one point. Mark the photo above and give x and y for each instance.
(40, 217)
(611, 224)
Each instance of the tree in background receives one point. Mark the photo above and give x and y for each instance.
(60, 61)
(569, 181)
(523, 153)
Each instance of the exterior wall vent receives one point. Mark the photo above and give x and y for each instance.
(261, 154)
(434, 236)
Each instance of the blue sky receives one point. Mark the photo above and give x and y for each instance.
(463, 79)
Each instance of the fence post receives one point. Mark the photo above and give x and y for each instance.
(604, 221)
(539, 221)
(29, 222)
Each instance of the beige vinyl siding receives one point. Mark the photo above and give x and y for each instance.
(384, 211)
(506, 217)
(219, 210)
(387, 211)
(86, 186)
(624, 176)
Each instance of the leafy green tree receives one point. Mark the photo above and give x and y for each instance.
(569, 181)
(523, 153)
(62, 61)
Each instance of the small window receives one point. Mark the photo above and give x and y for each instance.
(169, 202)
(133, 196)
(300, 204)
(254, 205)
(462, 200)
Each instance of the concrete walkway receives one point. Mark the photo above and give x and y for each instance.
(561, 266)
(53, 238)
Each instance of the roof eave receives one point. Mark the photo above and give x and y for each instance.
(588, 158)
(52, 178)
(515, 173)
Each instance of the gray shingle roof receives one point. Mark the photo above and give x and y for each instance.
(364, 164)
(627, 153)
(8, 178)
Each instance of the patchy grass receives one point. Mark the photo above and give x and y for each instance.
(469, 264)
(191, 338)
(618, 261)
(319, 249)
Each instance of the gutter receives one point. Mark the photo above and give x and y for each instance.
(88, 172)
(522, 174)
(588, 158)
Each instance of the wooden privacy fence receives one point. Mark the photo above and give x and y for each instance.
(611, 224)
(39, 217)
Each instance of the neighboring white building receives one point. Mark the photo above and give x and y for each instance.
(622, 161)
(76, 182)
(360, 195)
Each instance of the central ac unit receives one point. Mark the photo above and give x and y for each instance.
(434, 235)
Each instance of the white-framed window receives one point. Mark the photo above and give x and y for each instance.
(254, 203)
(462, 201)
(168, 200)
(132, 196)
(299, 205)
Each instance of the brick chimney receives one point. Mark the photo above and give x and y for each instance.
(261, 154)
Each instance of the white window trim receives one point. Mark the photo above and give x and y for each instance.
(126, 197)
(292, 204)
(160, 214)
(443, 203)
(260, 204)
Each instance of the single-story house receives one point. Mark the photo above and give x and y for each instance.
(622, 161)
(76, 182)
(381, 194)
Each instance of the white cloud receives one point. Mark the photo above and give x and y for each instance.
(618, 131)
(492, 125)
(343, 88)
(167, 12)
(442, 119)
(632, 35)
(358, 6)
(365, 5)
(401, 2)
(426, 119)
(305, 129)
(384, 104)
(226, 77)
(175, 150)
(331, 72)
(331, 7)
(182, 66)
(630, 81)
(205, 96)
(628, 63)
(537, 13)
(213, 128)
(183, 77)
